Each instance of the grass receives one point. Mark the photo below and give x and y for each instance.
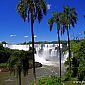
(52, 80)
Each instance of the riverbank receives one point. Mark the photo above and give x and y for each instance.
(4, 66)
(7, 79)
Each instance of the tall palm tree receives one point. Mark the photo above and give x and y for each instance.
(56, 19)
(30, 10)
(69, 18)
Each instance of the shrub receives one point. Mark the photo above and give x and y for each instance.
(51, 80)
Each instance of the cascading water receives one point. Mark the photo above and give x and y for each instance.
(46, 54)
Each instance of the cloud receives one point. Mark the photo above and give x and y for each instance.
(26, 36)
(35, 36)
(48, 6)
(12, 35)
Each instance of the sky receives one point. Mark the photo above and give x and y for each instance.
(14, 30)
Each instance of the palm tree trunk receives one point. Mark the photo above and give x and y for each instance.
(69, 50)
(33, 49)
(59, 49)
(19, 70)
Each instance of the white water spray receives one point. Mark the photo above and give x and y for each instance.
(46, 54)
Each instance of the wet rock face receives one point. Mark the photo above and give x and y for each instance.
(37, 64)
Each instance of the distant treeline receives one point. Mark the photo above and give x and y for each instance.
(44, 42)
(5, 53)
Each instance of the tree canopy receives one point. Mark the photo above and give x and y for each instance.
(78, 59)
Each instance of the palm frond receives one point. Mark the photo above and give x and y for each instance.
(62, 30)
(72, 23)
(50, 22)
(66, 9)
(35, 7)
(43, 6)
(40, 15)
(22, 10)
(71, 15)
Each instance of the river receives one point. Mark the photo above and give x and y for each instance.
(7, 79)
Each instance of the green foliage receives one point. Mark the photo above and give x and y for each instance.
(81, 71)
(14, 56)
(19, 60)
(77, 60)
(35, 8)
(3, 65)
(4, 54)
(51, 80)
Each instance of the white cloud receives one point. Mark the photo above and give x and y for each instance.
(26, 36)
(48, 6)
(35, 36)
(12, 35)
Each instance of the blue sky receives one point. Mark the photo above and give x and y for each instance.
(14, 30)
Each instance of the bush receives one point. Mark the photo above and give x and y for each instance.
(77, 61)
(51, 80)
(3, 65)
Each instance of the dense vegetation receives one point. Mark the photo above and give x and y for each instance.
(51, 80)
(7, 54)
(77, 67)
(4, 54)
(77, 60)
(44, 42)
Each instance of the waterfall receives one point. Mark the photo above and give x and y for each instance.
(46, 54)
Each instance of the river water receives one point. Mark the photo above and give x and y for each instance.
(6, 79)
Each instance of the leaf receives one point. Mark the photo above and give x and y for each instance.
(50, 22)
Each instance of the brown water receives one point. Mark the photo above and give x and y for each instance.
(6, 79)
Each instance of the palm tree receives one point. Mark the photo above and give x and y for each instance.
(30, 10)
(69, 18)
(15, 64)
(19, 62)
(56, 19)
